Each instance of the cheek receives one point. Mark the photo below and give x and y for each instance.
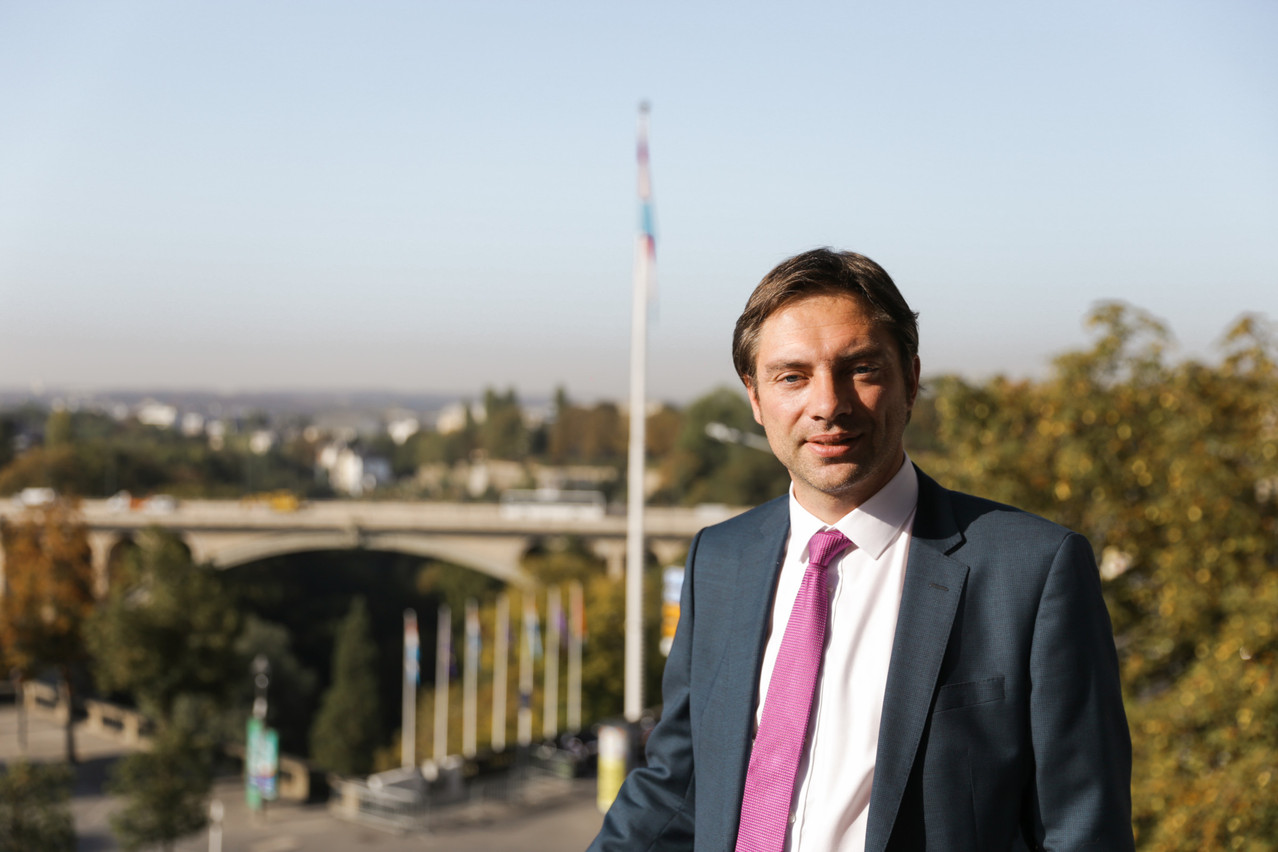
(779, 410)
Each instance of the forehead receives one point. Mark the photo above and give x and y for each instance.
(819, 323)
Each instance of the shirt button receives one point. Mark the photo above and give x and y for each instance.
(792, 818)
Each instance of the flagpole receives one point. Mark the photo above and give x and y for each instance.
(550, 674)
(644, 263)
(442, 641)
(501, 653)
(412, 668)
(523, 726)
(470, 686)
(575, 614)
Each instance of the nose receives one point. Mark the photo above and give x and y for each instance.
(828, 396)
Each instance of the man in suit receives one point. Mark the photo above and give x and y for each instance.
(874, 662)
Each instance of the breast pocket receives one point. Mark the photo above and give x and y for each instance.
(955, 695)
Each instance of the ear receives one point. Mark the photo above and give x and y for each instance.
(754, 398)
(913, 389)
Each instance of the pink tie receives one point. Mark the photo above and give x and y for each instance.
(774, 761)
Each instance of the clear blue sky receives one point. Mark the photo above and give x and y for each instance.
(441, 196)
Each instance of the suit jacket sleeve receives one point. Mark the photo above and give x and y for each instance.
(1082, 748)
(655, 807)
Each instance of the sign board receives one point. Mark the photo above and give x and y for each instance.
(261, 763)
(614, 761)
(671, 589)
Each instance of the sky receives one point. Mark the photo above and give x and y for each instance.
(441, 197)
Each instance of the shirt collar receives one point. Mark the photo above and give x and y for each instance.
(871, 526)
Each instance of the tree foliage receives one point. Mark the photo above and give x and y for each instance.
(49, 596)
(166, 630)
(49, 578)
(167, 786)
(347, 729)
(704, 469)
(291, 693)
(90, 454)
(35, 808)
(1171, 470)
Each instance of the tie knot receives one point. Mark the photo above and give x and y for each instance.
(826, 545)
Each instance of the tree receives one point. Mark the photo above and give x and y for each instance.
(167, 786)
(166, 635)
(35, 808)
(503, 434)
(49, 574)
(703, 469)
(1171, 470)
(348, 729)
(166, 630)
(292, 684)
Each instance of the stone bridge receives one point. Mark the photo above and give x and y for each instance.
(485, 537)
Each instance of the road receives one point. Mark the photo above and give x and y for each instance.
(563, 818)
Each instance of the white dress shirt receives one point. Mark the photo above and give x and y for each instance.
(831, 803)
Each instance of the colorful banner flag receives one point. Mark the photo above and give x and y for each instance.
(412, 649)
(577, 614)
(646, 248)
(474, 638)
(532, 627)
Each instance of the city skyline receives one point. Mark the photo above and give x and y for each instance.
(436, 199)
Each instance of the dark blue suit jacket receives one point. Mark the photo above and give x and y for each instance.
(1003, 724)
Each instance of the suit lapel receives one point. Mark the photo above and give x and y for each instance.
(758, 565)
(929, 600)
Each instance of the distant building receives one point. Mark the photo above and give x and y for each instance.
(192, 424)
(261, 441)
(351, 472)
(402, 427)
(216, 430)
(158, 414)
(452, 418)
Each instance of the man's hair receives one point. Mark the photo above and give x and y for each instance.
(821, 272)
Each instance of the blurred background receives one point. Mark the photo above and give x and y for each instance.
(282, 256)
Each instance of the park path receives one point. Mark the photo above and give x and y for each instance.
(565, 821)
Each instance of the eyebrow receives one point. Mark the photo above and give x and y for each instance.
(868, 352)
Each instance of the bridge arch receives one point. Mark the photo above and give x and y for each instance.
(498, 557)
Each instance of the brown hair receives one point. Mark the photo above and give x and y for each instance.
(825, 272)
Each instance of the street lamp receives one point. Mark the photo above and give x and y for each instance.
(261, 680)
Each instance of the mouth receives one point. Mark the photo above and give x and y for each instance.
(831, 444)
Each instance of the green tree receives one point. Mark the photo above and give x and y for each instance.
(57, 429)
(8, 432)
(588, 435)
(166, 630)
(1171, 470)
(292, 685)
(35, 808)
(705, 469)
(49, 574)
(347, 729)
(503, 434)
(167, 786)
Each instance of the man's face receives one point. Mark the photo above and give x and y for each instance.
(830, 393)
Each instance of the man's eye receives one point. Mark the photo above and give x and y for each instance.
(791, 379)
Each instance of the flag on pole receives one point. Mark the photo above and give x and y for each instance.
(412, 649)
(446, 649)
(646, 248)
(577, 613)
(532, 628)
(474, 642)
(643, 292)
